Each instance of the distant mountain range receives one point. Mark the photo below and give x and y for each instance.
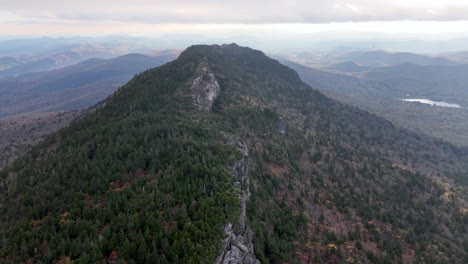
(460, 56)
(353, 60)
(437, 82)
(380, 58)
(13, 66)
(380, 90)
(48, 46)
(73, 87)
(21, 56)
(348, 67)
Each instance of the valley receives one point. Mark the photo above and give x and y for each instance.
(434, 103)
(20, 133)
(382, 96)
(74, 87)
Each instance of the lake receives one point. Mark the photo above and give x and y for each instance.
(430, 102)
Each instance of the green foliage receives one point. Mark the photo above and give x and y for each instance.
(146, 178)
(132, 178)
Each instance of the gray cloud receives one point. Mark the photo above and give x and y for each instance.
(240, 11)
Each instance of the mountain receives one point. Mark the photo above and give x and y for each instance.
(15, 47)
(439, 83)
(74, 87)
(380, 90)
(9, 62)
(460, 56)
(44, 54)
(348, 67)
(349, 60)
(23, 65)
(380, 58)
(331, 82)
(45, 46)
(224, 155)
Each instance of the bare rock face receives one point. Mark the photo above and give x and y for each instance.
(205, 89)
(281, 126)
(238, 246)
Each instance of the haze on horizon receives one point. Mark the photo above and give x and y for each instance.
(256, 23)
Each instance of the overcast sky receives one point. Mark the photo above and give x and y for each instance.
(140, 17)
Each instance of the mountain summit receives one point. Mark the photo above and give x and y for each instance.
(224, 155)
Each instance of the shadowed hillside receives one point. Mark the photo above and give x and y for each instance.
(74, 87)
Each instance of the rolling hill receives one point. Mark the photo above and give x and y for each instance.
(381, 58)
(439, 83)
(342, 59)
(14, 66)
(73, 87)
(380, 91)
(461, 56)
(348, 67)
(21, 56)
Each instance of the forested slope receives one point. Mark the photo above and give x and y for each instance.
(225, 135)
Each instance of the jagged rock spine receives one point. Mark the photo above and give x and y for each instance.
(238, 246)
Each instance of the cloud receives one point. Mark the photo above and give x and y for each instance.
(240, 11)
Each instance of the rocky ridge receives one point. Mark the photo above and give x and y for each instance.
(238, 246)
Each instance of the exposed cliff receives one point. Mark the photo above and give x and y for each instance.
(205, 89)
(238, 246)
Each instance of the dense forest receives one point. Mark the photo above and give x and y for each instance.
(151, 177)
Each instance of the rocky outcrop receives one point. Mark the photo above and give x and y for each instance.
(205, 89)
(281, 126)
(238, 246)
